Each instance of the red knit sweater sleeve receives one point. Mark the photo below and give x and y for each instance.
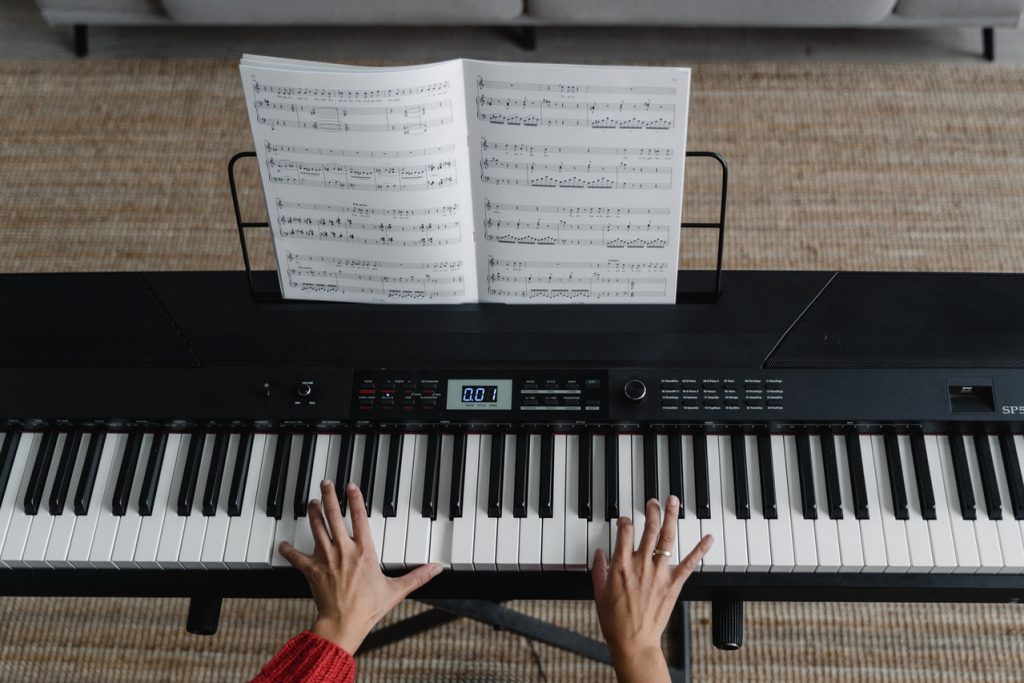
(308, 658)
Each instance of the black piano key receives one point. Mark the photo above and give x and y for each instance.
(240, 473)
(701, 483)
(611, 476)
(343, 475)
(993, 501)
(1013, 474)
(741, 495)
(855, 460)
(190, 475)
(39, 473)
(897, 485)
(458, 488)
(432, 476)
(87, 479)
(829, 459)
(65, 468)
(305, 475)
(147, 496)
(521, 485)
(126, 474)
(393, 475)
(803, 465)
(586, 477)
(496, 482)
(675, 470)
(766, 471)
(962, 474)
(369, 470)
(650, 441)
(215, 475)
(7, 452)
(546, 495)
(923, 475)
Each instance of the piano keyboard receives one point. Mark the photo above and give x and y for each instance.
(486, 499)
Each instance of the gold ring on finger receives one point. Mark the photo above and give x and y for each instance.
(663, 553)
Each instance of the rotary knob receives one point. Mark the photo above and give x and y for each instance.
(635, 391)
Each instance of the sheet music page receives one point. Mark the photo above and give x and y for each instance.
(366, 176)
(577, 181)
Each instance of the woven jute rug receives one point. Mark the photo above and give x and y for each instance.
(115, 165)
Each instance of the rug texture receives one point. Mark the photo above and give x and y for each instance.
(121, 165)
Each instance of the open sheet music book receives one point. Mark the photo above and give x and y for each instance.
(470, 181)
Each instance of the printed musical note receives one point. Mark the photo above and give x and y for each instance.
(576, 280)
(383, 178)
(374, 280)
(507, 224)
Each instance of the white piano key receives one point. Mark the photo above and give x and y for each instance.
(236, 545)
(871, 531)
(625, 471)
(758, 534)
(128, 528)
(190, 552)
(576, 530)
(965, 542)
(598, 529)
(663, 487)
(392, 555)
(358, 444)
(173, 525)
(851, 546)
(417, 535)
(805, 550)
(530, 526)
(636, 455)
(897, 551)
(442, 528)
(152, 525)
(918, 540)
(714, 560)
(939, 530)
(464, 527)
(106, 526)
(485, 527)
(985, 531)
(14, 495)
(734, 529)
(507, 550)
(260, 548)
(826, 535)
(216, 537)
(780, 529)
(1008, 527)
(688, 529)
(42, 521)
(85, 525)
(377, 520)
(64, 524)
(303, 531)
(553, 549)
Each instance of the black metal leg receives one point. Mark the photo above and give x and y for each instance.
(81, 37)
(528, 38)
(203, 616)
(988, 37)
(680, 656)
(406, 628)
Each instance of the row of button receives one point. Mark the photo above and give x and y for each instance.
(709, 383)
(715, 403)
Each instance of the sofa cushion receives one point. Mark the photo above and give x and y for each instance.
(315, 12)
(101, 11)
(959, 9)
(712, 12)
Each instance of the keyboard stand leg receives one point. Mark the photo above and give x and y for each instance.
(681, 662)
(407, 628)
(203, 615)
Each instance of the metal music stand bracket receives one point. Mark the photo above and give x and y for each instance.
(710, 295)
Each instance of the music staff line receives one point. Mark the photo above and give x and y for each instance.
(580, 176)
(597, 267)
(610, 235)
(358, 153)
(577, 210)
(547, 150)
(570, 89)
(360, 210)
(346, 230)
(343, 94)
(370, 264)
(382, 178)
(370, 278)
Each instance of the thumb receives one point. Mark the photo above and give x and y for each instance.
(417, 578)
(599, 575)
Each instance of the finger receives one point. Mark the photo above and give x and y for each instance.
(418, 577)
(667, 538)
(652, 527)
(332, 510)
(295, 557)
(690, 563)
(357, 514)
(321, 539)
(599, 575)
(623, 540)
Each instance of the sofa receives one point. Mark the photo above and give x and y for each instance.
(529, 14)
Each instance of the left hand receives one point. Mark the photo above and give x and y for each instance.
(351, 592)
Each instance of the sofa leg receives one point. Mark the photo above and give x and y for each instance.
(81, 37)
(988, 37)
(528, 38)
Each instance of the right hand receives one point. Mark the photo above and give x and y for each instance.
(635, 592)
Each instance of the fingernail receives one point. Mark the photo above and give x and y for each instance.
(325, 484)
(314, 501)
(435, 569)
(652, 500)
(673, 502)
(351, 488)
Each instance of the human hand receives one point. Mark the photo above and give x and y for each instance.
(636, 591)
(351, 592)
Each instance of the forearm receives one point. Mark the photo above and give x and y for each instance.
(640, 666)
